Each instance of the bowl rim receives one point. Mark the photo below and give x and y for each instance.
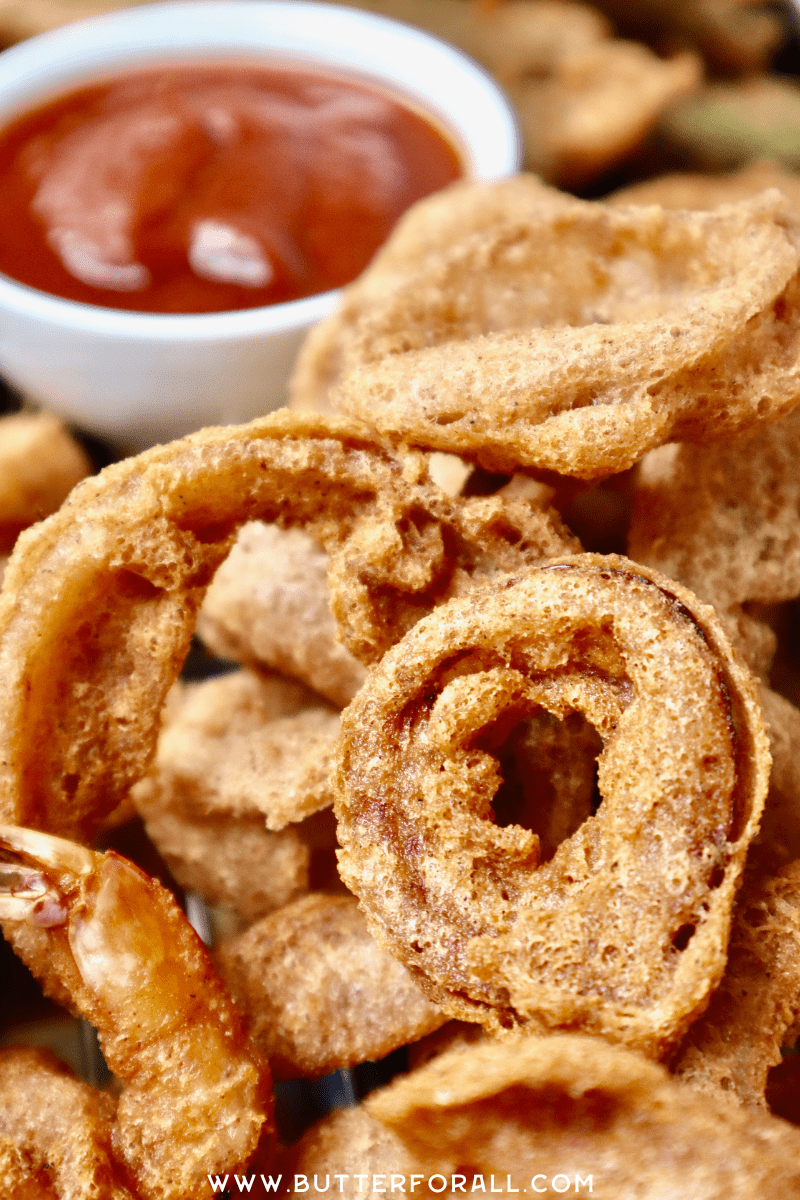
(224, 29)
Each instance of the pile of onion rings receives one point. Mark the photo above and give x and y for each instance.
(554, 796)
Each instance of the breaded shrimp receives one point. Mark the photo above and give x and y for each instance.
(196, 1095)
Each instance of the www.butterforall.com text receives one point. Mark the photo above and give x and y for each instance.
(372, 1184)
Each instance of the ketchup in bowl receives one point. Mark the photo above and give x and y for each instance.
(210, 186)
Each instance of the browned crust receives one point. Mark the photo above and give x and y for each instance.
(567, 1105)
(100, 601)
(732, 1047)
(624, 931)
(573, 336)
(55, 1132)
(319, 991)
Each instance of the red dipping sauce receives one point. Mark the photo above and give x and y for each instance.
(205, 187)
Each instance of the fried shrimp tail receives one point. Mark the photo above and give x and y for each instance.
(196, 1094)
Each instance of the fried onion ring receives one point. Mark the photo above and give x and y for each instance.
(624, 931)
(725, 521)
(319, 993)
(709, 191)
(268, 605)
(56, 1132)
(100, 600)
(731, 1049)
(576, 338)
(566, 1105)
(40, 463)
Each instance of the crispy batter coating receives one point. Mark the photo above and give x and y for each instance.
(268, 604)
(19, 1179)
(242, 745)
(39, 466)
(731, 1048)
(351, 1140)
(563, 334)
(319, 992)
(465, 209)
(234, 864)
(779, 834)
(100, 600)
(239, 758)
(55, 1132)
(725, 521)
(196, 1093)
(709, 191)
(624, 931)
(567, 1105)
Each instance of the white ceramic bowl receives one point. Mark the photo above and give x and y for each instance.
(138, 378)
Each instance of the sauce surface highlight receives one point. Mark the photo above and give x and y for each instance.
(207, 187)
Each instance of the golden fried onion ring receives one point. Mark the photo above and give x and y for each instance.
(57, 1131)
(319, 993)
(568, 1105)
(623, 932)
(731, 1049)
(100, 600)
(573, 339)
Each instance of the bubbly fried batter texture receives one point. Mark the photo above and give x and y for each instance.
(100, 600)
(346, 1138)
(268, 604)
(236, 865)
(725, 521)
(567, 1105)
(624, 931)
(732, 1047)
(319, 992)
(55, 1131)
(242, 745)
(709, 191)
(16, 1176)
(570, 335)
(39, 466)
(779, 833)
(239, 758)
(465, 209)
